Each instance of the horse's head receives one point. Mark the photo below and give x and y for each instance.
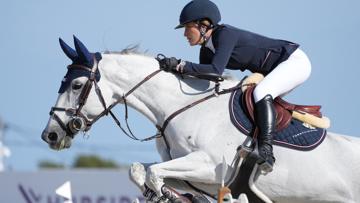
(78, 92)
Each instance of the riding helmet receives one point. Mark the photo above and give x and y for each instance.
(198, 10)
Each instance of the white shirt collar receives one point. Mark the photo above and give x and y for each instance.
(209, 44)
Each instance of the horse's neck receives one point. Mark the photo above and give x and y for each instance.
(156, 98)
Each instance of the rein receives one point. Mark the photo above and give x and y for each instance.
(79, 121)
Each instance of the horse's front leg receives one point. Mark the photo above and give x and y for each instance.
(196, 167)
(137, 174)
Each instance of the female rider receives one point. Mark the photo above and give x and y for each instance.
(282, 63)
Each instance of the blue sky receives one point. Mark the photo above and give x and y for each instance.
(32, 63)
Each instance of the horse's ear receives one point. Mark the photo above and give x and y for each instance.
(70, 52)
(84, 55)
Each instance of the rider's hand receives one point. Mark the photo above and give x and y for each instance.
(169, 64)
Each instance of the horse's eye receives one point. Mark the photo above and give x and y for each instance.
(76, 86)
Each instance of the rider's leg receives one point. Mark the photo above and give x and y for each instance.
(265, 120)
(285, 77)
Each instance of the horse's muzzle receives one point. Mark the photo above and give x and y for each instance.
(48, 137)
(54, 141)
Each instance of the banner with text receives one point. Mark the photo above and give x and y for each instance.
(56, 186)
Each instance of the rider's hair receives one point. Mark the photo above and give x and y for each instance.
(204, 25)
(206, 22)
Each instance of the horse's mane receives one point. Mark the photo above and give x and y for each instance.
(131, 49)
(229, 76)
(135, 49)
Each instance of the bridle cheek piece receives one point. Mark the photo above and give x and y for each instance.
(79, 122)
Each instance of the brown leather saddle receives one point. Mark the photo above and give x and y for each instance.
(283, 109)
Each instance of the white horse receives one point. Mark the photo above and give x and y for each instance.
(200, 137)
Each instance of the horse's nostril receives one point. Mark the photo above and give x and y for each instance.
(53, 136)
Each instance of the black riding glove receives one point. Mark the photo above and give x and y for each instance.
(169, 64)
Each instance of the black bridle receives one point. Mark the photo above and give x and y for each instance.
(78, 121)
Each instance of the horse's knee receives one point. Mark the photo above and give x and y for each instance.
(153, 179)
(137, 175)
(243, 198)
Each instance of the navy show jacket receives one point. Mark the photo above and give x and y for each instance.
(236, 49)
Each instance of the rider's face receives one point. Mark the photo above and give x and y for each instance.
(192, 33)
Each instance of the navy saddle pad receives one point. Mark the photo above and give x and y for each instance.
(296, 136)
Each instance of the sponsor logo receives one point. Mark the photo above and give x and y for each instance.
(65, 191)
(61, 195)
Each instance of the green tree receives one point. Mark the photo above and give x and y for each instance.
(46, 164)
(93, 161)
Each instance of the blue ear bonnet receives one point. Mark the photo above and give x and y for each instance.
(79, 56)
(73, 74)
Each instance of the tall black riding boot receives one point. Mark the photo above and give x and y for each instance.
(265, 120)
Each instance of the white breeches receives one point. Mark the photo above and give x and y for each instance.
(285, 77)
